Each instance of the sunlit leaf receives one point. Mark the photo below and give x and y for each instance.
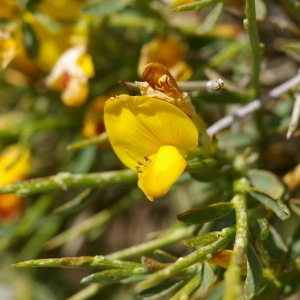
(267, 181)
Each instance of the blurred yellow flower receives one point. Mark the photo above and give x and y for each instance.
(7, 48)
(9, 9)
(93, 120)
(70, 75)
(152, 137)
(14, 166)
(168, 51)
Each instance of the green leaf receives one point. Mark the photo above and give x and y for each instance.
(161, 289)
(205, 214)
(267, 182)
(254, 272)
(30, 40)
(274, 246)
(208, 279)
(210, 21)
(108, 276)
(295, 206)
(196, 5)
(234, 140)
(202, 240)
(217, 292)
(279, 208)
(104, 7)
(262, 228)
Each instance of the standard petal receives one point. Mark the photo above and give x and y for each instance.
(139, 126)
(158, 176)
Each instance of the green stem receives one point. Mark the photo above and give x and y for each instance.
(233, 274)
(98, 261)
(189, 288)
(161, 242)
(255, 51)
(184, 262)
(67, 180)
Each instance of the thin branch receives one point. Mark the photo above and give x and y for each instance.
(253, 106)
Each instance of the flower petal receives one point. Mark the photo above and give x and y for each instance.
(75, 93)
(139, 126)
(158, 176)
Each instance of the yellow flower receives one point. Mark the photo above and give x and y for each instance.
(168, 51)
(14, 166)
(161, 84)
(70, 75)
(151, 136)
(7, 48)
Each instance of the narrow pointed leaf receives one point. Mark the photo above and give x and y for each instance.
(196, 5)
(254, 272)
(205, 214)
(79, 202)
(210, 21)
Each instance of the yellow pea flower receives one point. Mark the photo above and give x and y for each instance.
(168, 51)
(151, 136)
(70, 75)
(14, 166)
(7, 48)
